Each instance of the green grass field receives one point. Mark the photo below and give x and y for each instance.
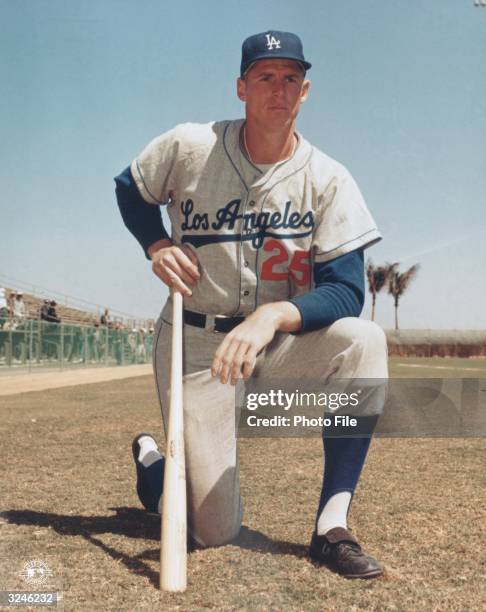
(68, 497)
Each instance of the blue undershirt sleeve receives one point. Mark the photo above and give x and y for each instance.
(339, 292)
(142, 219)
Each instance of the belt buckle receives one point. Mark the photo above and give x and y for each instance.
(216, 317)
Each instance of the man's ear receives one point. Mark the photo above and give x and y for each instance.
(305, 91)
(241, 89)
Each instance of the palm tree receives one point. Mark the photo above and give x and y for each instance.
(377, 278)
(398, 283)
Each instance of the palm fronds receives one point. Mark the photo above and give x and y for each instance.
(378, 277)
(398, 283)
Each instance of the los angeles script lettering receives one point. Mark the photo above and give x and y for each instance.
(227, 217)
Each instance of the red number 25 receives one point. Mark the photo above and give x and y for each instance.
(299, 267)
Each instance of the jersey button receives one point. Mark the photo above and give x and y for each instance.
(246, 264)
(246, 293)
(251, 203)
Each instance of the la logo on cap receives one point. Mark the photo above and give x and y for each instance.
(272, 42)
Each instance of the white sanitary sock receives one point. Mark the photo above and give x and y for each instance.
(149, 451)
(334, 513)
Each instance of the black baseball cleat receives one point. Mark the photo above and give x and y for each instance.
(149, 480)
(340, 552)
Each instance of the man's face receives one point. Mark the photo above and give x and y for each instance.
(273, 91)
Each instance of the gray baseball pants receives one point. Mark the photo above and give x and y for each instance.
(348, 349)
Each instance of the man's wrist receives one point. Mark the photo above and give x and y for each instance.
(156, 246)
(284, 316)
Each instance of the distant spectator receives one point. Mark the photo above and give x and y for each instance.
(76, 350)
(11, 303)
(141, 350)
(117, 342)
(98, 345)
(19, 307)
(3, 304)
(105, 318)
(51, 313)
(44, 311)
(3, 325)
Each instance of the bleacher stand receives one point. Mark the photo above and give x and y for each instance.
(42, 332)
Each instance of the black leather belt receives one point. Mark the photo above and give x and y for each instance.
(222, 325)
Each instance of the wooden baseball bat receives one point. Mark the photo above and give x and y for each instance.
(173, 546)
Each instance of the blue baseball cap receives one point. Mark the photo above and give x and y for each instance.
(272, 45)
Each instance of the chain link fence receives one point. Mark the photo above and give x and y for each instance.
(31, 343)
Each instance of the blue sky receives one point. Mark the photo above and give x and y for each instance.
(398, 93)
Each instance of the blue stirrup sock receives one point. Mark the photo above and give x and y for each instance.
(344, 458)
(150, 470)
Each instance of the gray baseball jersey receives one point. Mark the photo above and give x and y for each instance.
(256, 234)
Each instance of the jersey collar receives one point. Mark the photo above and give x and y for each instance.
(249, 174)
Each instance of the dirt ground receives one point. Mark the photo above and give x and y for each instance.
(22, 381)
(68, 499)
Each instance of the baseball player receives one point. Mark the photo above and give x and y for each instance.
(266, 245)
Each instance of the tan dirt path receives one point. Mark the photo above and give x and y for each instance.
(20, 382)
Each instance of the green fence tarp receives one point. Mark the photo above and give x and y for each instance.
(37, 343)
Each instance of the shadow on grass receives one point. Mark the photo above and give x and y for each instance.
(135, 523)
(259, 542)
(129, 522)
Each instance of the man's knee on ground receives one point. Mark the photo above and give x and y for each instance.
(215, 535)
